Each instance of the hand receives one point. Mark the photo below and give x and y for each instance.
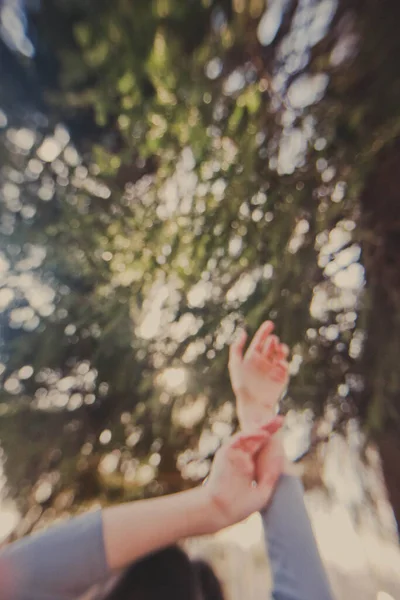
(259, 377)
(236, 487)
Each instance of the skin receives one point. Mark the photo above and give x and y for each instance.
(235, 489)
(259, 377)
(244, 472)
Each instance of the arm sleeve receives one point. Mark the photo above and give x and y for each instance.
(297, 569)
(62, 562)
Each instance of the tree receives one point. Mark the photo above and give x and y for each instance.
(210, 176)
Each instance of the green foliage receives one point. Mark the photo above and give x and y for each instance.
(199, 188)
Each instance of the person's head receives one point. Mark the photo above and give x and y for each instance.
(168, 575)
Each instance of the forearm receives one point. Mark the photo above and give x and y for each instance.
(67, 559)
(298, 572)
(251, 415)
(135, 529)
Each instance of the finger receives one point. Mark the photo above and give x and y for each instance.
(251, 444)
(260, 336)
(270, 347)
(280, 370)
(283, 363)
(283, 351)
(273, 425)
(281, 367)
(278, 377)
(241, 439)
(252, 447)
(269, 477)
(236, 349)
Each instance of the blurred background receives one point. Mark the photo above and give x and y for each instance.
(170, 170)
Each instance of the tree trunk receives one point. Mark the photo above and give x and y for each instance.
(379, 404)
(389, 448)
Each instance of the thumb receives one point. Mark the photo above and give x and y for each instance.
(269, 476)
(273, 425)
(265, 489)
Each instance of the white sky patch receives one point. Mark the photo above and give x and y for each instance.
(214, 68)
(307, 90)
(338, 237)
(310, 24)
(43, 492)
(343, 259)
(109, 463)
(235, 245)
(234, 83)
(174, 379)
(96, 188)
(296, 433)
(199, 293)
(25, 372)
(298, 236)
(225, 332)
(193, 351)
(32, 260)
(292, 147)
(270, 21)
(105, 437)
(9, 517)
(179, 189)
(208, 442)
(145, 474)
(187, 325)
(71, 156)
(22, 138)
(3, 119)
(191, 412)
(49, 149)
(319, 304)
(61, 135)
(245, 286)
(295, 364)
(6, 297)
(351, 278)
(12, 28)
(314, 18)
(152, 312)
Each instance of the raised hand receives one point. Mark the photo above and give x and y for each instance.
(236, 486)
(258, 377)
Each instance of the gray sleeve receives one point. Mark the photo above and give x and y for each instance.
(62, 562)
(297, 569)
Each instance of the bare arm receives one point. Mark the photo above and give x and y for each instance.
(135, 529)
(66, 560)
(259, 378)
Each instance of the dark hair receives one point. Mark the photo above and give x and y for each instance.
(168, 575)
(209, 583)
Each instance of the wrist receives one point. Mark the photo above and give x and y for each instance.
(217, 510)
(252, 414)
(203, 515)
